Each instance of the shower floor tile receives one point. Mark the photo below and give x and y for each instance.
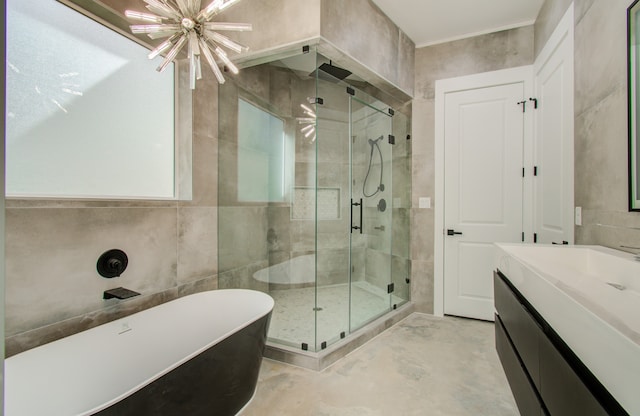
(293, 320)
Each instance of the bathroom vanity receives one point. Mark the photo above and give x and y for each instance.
(568, 328)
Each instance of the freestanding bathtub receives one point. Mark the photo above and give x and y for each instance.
(297, 272)
(196, 355)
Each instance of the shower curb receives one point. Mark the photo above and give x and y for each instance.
(318, 361)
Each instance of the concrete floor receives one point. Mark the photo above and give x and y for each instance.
(421, 366)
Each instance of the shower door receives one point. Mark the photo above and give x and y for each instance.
(371, 209)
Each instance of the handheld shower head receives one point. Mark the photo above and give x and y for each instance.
(380, 188)
(374, 142)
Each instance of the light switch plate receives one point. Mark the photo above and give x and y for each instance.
(578, 215)
(424, 202)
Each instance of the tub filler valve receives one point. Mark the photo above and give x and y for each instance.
(112, 263)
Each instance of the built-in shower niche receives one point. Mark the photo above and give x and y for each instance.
(296, 218)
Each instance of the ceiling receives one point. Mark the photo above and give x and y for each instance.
(428, 22)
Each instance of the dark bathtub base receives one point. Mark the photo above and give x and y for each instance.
(220, 381)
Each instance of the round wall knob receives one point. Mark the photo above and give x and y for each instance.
(112, 263)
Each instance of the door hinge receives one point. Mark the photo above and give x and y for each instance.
(523, 236)
(535, 237)
(535, 103)
(351, 91)
(535, 171)
(392, 139)
(523, 172)
(390, 288)
(524, 105)
(391, 112)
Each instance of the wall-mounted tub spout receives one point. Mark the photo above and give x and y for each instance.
(119, 293)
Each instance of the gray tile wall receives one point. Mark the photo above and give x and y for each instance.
(601, 175)
(359, 28)
(506, 49)
(600, 67)
(356, 28)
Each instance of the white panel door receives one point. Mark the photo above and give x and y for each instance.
(553, 183)
(483, 191)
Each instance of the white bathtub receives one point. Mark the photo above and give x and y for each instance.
(155, 362)
(297, 271)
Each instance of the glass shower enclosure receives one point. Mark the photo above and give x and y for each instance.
(313, 197)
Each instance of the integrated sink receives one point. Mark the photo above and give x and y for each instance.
(590, 295)
(595, 262)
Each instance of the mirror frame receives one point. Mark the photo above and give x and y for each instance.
(633, 88)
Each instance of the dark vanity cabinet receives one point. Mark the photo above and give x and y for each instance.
(545, 376)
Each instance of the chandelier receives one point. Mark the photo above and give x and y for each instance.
(182, 22)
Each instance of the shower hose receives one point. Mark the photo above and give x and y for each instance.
(373, 143)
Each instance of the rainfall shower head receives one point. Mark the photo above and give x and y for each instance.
(329, 72)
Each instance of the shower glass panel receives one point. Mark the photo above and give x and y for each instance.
(371, 190)
(332, 220)
(401, 207)
(295, 147)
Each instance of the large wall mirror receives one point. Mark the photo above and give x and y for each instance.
(633, 47)
(87, 114)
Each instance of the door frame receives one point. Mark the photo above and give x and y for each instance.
(523, 74)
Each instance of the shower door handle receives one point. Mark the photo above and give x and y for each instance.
(356, 204)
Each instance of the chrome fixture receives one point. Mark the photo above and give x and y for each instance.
(183, 23)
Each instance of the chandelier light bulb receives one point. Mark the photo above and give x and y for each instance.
(308, 123)
(183, 22)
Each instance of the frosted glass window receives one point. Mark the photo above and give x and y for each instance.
(87, 114)
(261, 155)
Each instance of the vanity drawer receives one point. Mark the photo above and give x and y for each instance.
(520, 325)
(562, 390)
(523, 391)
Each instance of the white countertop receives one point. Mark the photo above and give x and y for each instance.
(568, 286)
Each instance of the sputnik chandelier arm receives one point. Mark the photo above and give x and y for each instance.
(309, 121)
(182, 22)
